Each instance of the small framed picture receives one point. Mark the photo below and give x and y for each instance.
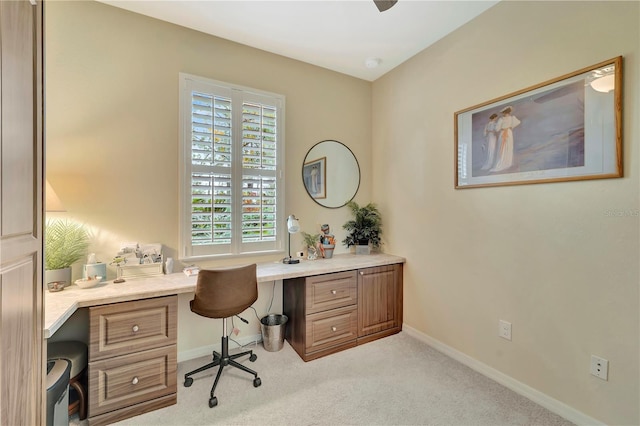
(568, 128)
(314, 175)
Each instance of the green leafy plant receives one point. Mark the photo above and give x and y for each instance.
(366, 225)
(65, 242)
(310, 240)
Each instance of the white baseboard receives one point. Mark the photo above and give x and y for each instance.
(207, 350)
(551, 404)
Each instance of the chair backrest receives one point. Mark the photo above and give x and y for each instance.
(222, 293)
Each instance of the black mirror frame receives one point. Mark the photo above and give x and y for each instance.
(357, 164)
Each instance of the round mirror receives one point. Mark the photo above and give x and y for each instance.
(331, 174)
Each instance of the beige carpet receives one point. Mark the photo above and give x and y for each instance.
(394, 381)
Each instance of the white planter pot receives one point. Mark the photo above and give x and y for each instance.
(58, 275)
(363, 249)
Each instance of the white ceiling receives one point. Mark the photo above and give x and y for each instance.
(338, 35)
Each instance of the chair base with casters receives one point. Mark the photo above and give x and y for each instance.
(223, 360)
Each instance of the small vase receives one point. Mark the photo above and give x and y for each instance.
(312, 253)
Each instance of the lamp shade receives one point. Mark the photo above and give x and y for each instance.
(52, 202)
(292, 224)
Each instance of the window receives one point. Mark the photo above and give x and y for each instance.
(232, 151)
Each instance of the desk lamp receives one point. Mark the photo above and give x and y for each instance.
(292, 226)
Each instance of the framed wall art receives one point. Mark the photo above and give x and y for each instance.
(568, 128)
(314, 175)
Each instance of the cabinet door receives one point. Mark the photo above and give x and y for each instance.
(379, 299)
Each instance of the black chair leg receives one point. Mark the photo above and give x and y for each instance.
(241, 354)
(215, 383)
(242, 367)
(215, 362)
(222, 360)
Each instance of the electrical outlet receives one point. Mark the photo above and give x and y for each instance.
(504, 329)
(599, 367)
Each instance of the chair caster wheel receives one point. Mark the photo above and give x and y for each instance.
(253, 357)
(257, 382)
(213, 402)
(188, 381)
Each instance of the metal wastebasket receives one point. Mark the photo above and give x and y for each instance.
(273, 328)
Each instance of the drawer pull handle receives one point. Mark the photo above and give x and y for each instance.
(135, 381)
(135, 329)
(334, 292)
(334, 328)
(361, 273)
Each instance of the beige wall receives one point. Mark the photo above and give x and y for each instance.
(112, 120)
(545, 257)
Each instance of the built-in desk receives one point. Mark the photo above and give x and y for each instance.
(368, 303)
(58, 307)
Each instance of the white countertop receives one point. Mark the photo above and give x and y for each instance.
(59, 306)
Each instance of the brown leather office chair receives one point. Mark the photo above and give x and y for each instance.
(224, 293)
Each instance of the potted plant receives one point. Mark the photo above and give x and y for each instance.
(65, 243)
(364, 228)
(311, 242)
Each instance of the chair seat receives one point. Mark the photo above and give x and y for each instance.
(74, 351)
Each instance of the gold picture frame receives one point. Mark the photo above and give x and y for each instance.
(565, 129)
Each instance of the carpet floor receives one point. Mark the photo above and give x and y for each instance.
(398, 380)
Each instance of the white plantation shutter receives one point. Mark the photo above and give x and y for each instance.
(231, 158)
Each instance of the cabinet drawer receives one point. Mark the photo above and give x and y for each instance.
(126, 380)
(331, 291)
(331, 328)
(128, 327)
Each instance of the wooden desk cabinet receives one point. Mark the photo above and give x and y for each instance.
(132, 358)
(333, 312)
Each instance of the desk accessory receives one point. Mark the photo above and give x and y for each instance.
(191, 270)
(93, 269)
(88, 282)
(135, 261)
(55, 286)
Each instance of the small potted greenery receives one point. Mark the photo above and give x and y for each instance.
(364, 229)
(65, 243)
(311, 242)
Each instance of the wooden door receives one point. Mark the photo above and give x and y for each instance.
(379, 300)
(21, 346)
